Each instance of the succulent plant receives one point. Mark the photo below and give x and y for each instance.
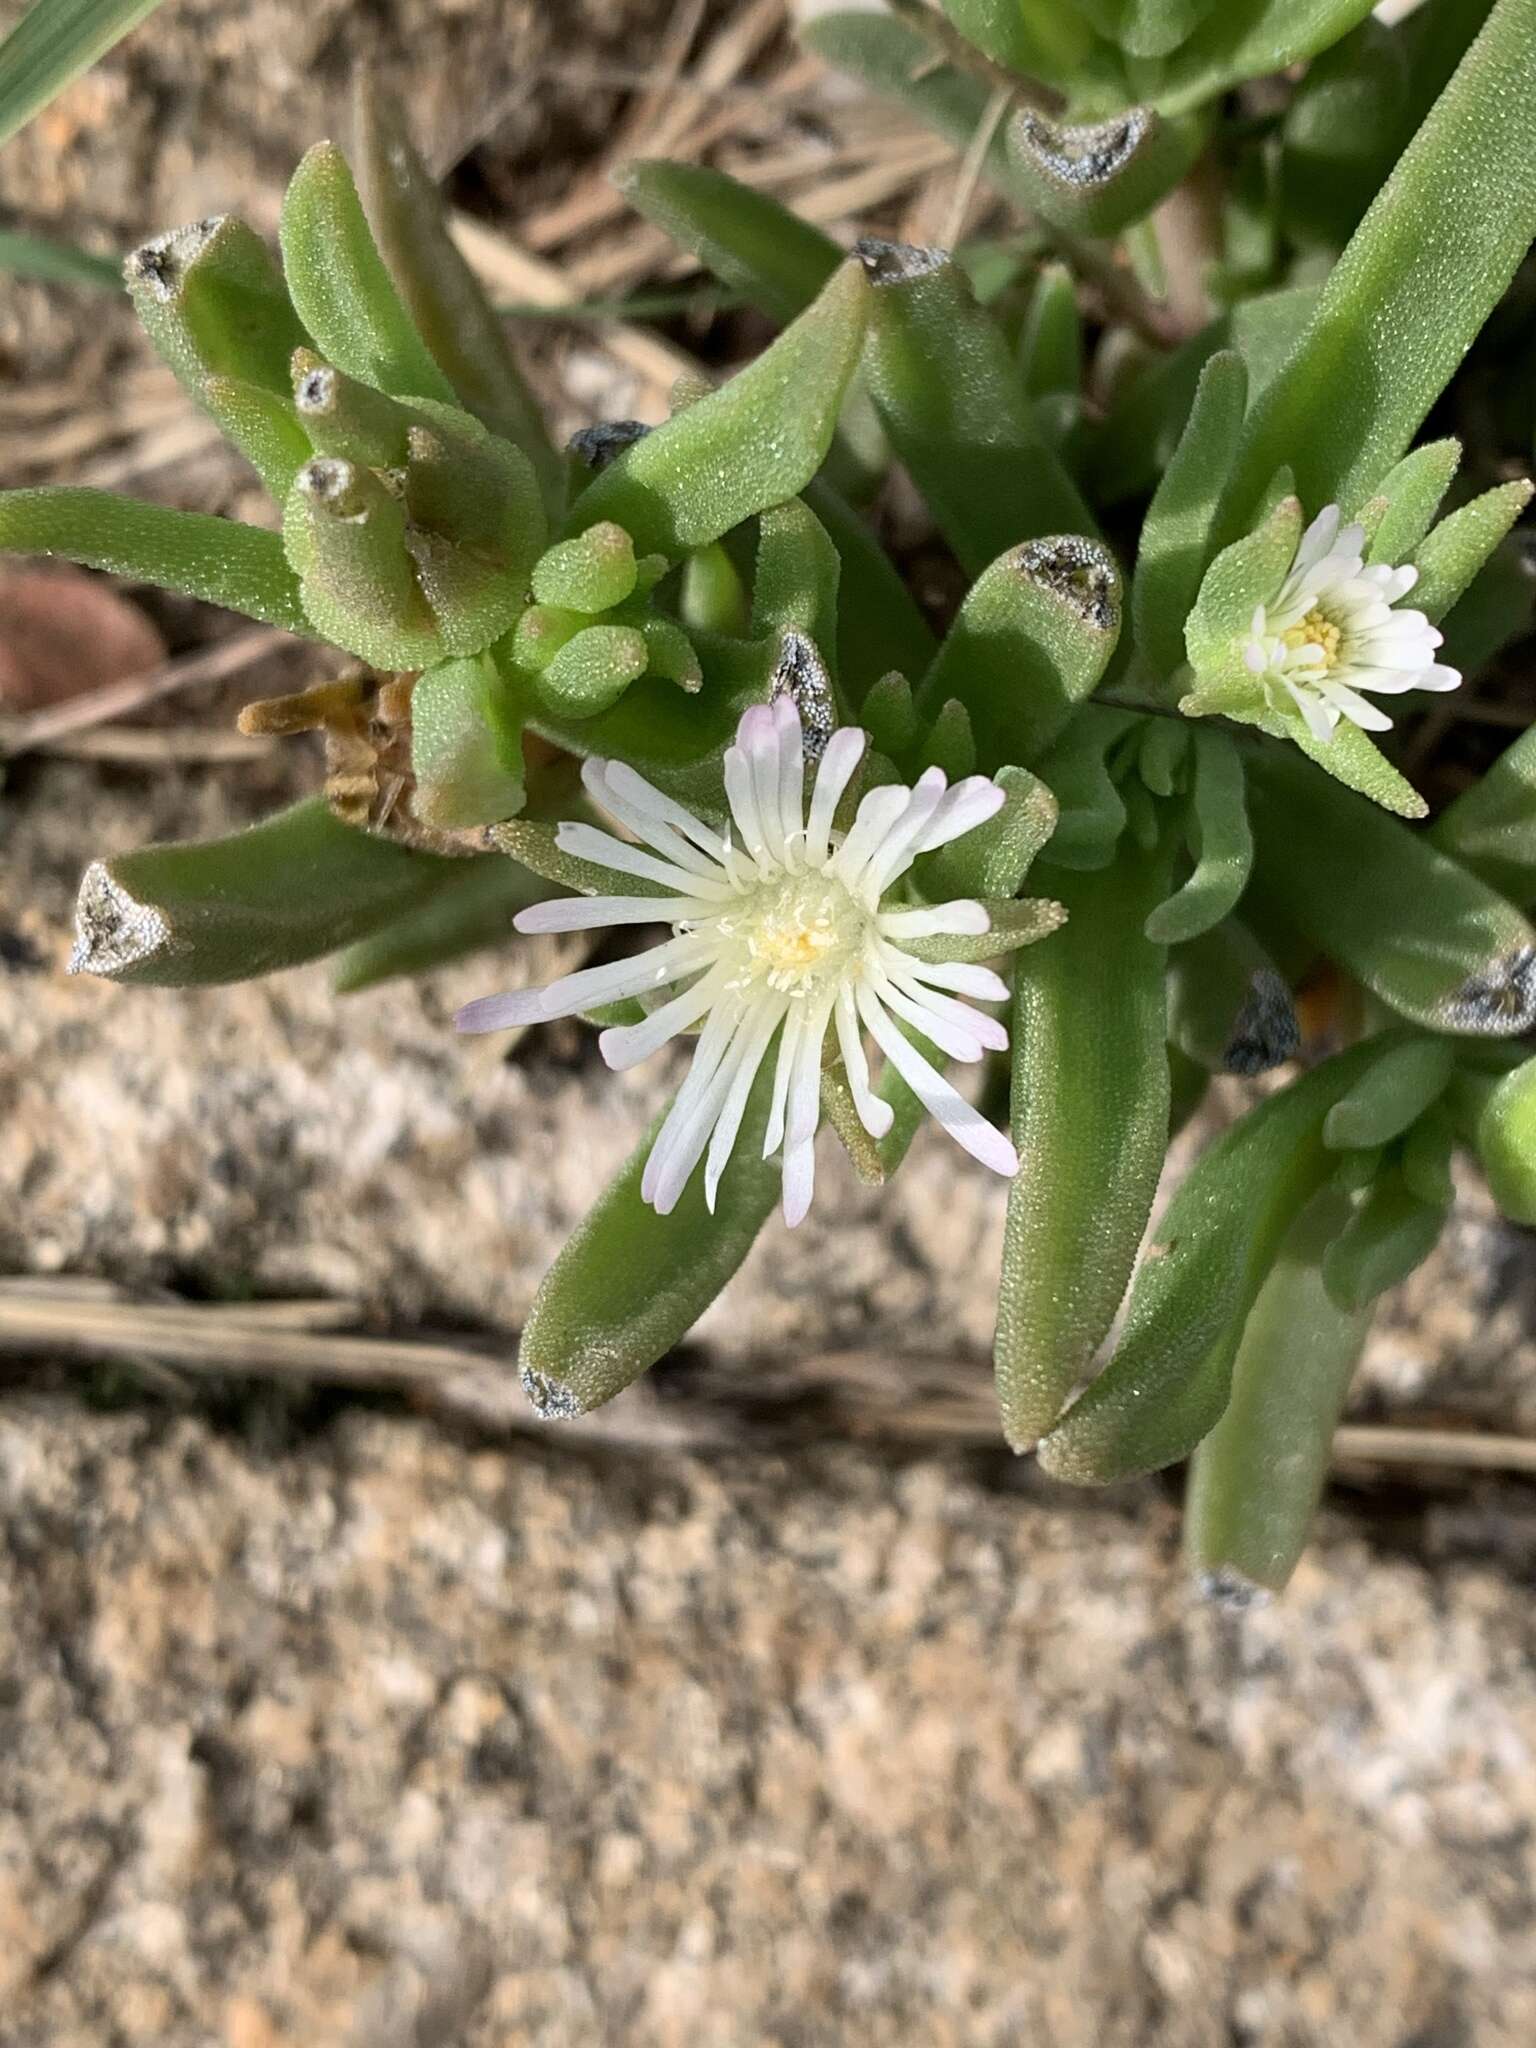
(1203, 561)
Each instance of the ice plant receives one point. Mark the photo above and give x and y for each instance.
(1333, 630)
(1143, 686)
(783, 932)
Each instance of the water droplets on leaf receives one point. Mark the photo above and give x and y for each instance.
(887, 263)
(1083, 156)
(800, 674)
(113, 930)
(160, 263)
(1077, 570)
(548, 1397)
(1499, 1001)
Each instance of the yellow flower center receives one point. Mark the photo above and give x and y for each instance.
(799, 930)
(1315, 631)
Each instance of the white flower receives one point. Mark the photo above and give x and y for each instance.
(785, 936)
(1331, 631)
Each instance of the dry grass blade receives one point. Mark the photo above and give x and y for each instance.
(873, 1395)
(514, 273)
(132, 746)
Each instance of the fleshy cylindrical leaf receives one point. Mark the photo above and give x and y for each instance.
(466, 745)
(291, 889)
(343, 293)
(472, 910)
(1415, 927)
(755, 442)
(1176, 533)
(751, 243)
(1219, 840)
(1096, 177)
(451, 312)
(1030, 642)
(1209, 1254)
(945, 384)
(1420, 276)
(1392, 1096)
(1491, 828)
(1506, 1143)
(1090, 1121)
(1255, 1482)
(218, 560)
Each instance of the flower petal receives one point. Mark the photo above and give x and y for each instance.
(966, 1125)
(963, 918)
(969, 804)
(642, 812)
(844, 751)
(746, 1056)
(588, 842)
(626, 1045)
(875, 1114)
(593, 913)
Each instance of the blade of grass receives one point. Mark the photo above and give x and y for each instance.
(54, 41)
(57, 262)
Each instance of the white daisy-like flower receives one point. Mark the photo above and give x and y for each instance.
(789, 934)
(1332, 630)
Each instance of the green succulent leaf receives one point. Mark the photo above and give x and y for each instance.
(1401, 510)
(593, 670)
(795, 583)
(879, 625)
(1423, 934)
(1384, 1103)
(752, 444)
(1050, 348)
(1221, 843)
(1420, 276)
(1176, 534)
(897, 63)
(466, 745)
(1506, 1142)
(1490, 829)
(630, 1284)
(343, 293)
(946, 386)
(1234, 43)
(1210, 1253)
(217, 560)
(1030, 643)
(1130, 452)
(746, 238)
(1256, 1480)
(451, 312)
(1458, 547)
(1343, 132)
(291, 889)
(1097, 177)
(1090, 1121)
(471, 911)
(1077, 772)
(1390, 1234)
(1243, 575)
(591, 572)
(213, 301)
